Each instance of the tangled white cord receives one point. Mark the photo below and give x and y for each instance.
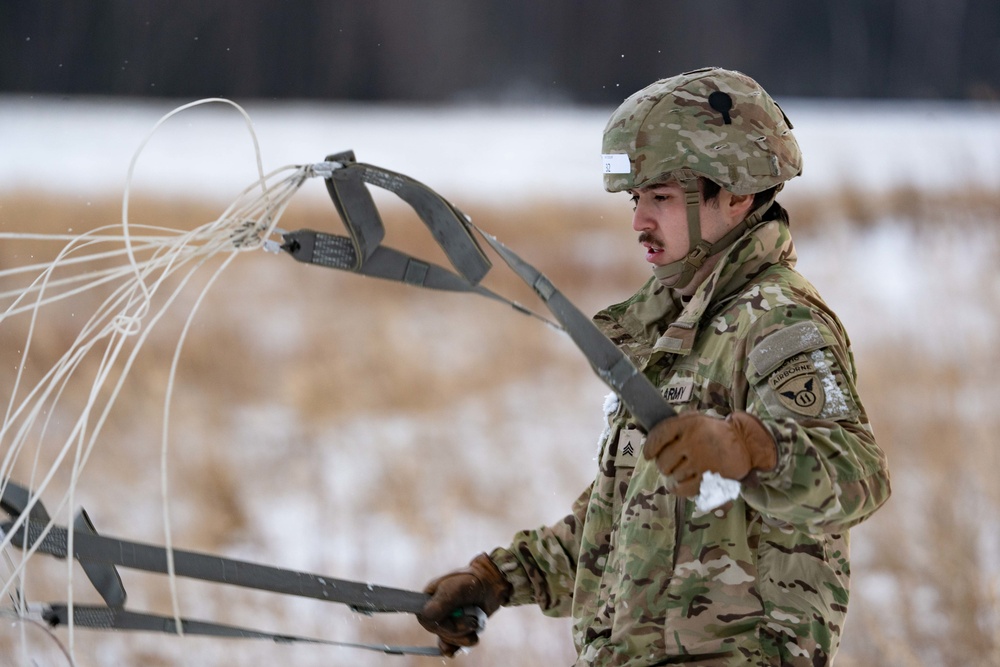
(146, 256)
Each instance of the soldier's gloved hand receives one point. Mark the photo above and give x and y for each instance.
(481, 584)
(686, 446)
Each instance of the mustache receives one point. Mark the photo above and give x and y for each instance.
(647, 237)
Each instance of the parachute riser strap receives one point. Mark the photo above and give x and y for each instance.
(90, 548)
(447, 224)
(640, 396)
(118, 619)
(357, 210)
(337, 252)
(30, 527)
(363, 253)
(643, 399)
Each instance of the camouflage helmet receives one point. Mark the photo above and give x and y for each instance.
(717, 123)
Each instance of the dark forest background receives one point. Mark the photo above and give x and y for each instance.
(523, 51)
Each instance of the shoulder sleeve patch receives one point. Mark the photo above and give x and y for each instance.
(808, 385)
(784, 344)
(797, 386)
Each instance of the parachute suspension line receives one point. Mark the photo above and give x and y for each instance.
(257, 218)
(171, 578)
(142, 145)
(119, 327)
(147, 255)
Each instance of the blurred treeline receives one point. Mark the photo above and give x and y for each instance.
(580, 51)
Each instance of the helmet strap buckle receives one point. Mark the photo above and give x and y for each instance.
(699, 254)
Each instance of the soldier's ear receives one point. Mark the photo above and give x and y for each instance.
(739, 206)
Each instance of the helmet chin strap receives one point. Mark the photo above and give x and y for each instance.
(683, 270)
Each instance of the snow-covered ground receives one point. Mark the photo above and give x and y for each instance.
(935, 291)
(494, 154)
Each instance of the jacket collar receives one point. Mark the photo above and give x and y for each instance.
(657, 321)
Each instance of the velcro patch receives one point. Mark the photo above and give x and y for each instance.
(784, 344)
(798, 387)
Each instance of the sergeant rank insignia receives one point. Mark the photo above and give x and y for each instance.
(630, 440)
(798, 387)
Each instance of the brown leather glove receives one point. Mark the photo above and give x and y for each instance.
(692, 443)
(481, 585)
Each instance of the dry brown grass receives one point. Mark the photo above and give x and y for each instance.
(356, 356)
(850, 205)
(926, 587)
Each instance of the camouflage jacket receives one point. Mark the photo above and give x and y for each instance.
(763, 580)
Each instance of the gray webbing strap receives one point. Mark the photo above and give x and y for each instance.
(338, 252)
(639, 395)
(453, 232)
(98, 549)
(103, 576)
(99, 557)
(357, 210)
(360, 216)
(111, 618)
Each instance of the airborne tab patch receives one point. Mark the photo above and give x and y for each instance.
(798, 387)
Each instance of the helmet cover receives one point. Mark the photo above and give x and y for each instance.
(717, 123)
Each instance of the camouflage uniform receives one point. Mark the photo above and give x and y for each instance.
(763, 580)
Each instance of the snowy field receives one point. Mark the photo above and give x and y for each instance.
(306, 454)
(485, 154)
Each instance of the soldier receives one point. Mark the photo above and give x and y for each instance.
(761, 374)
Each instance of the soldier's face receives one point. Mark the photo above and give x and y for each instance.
(660, 217)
